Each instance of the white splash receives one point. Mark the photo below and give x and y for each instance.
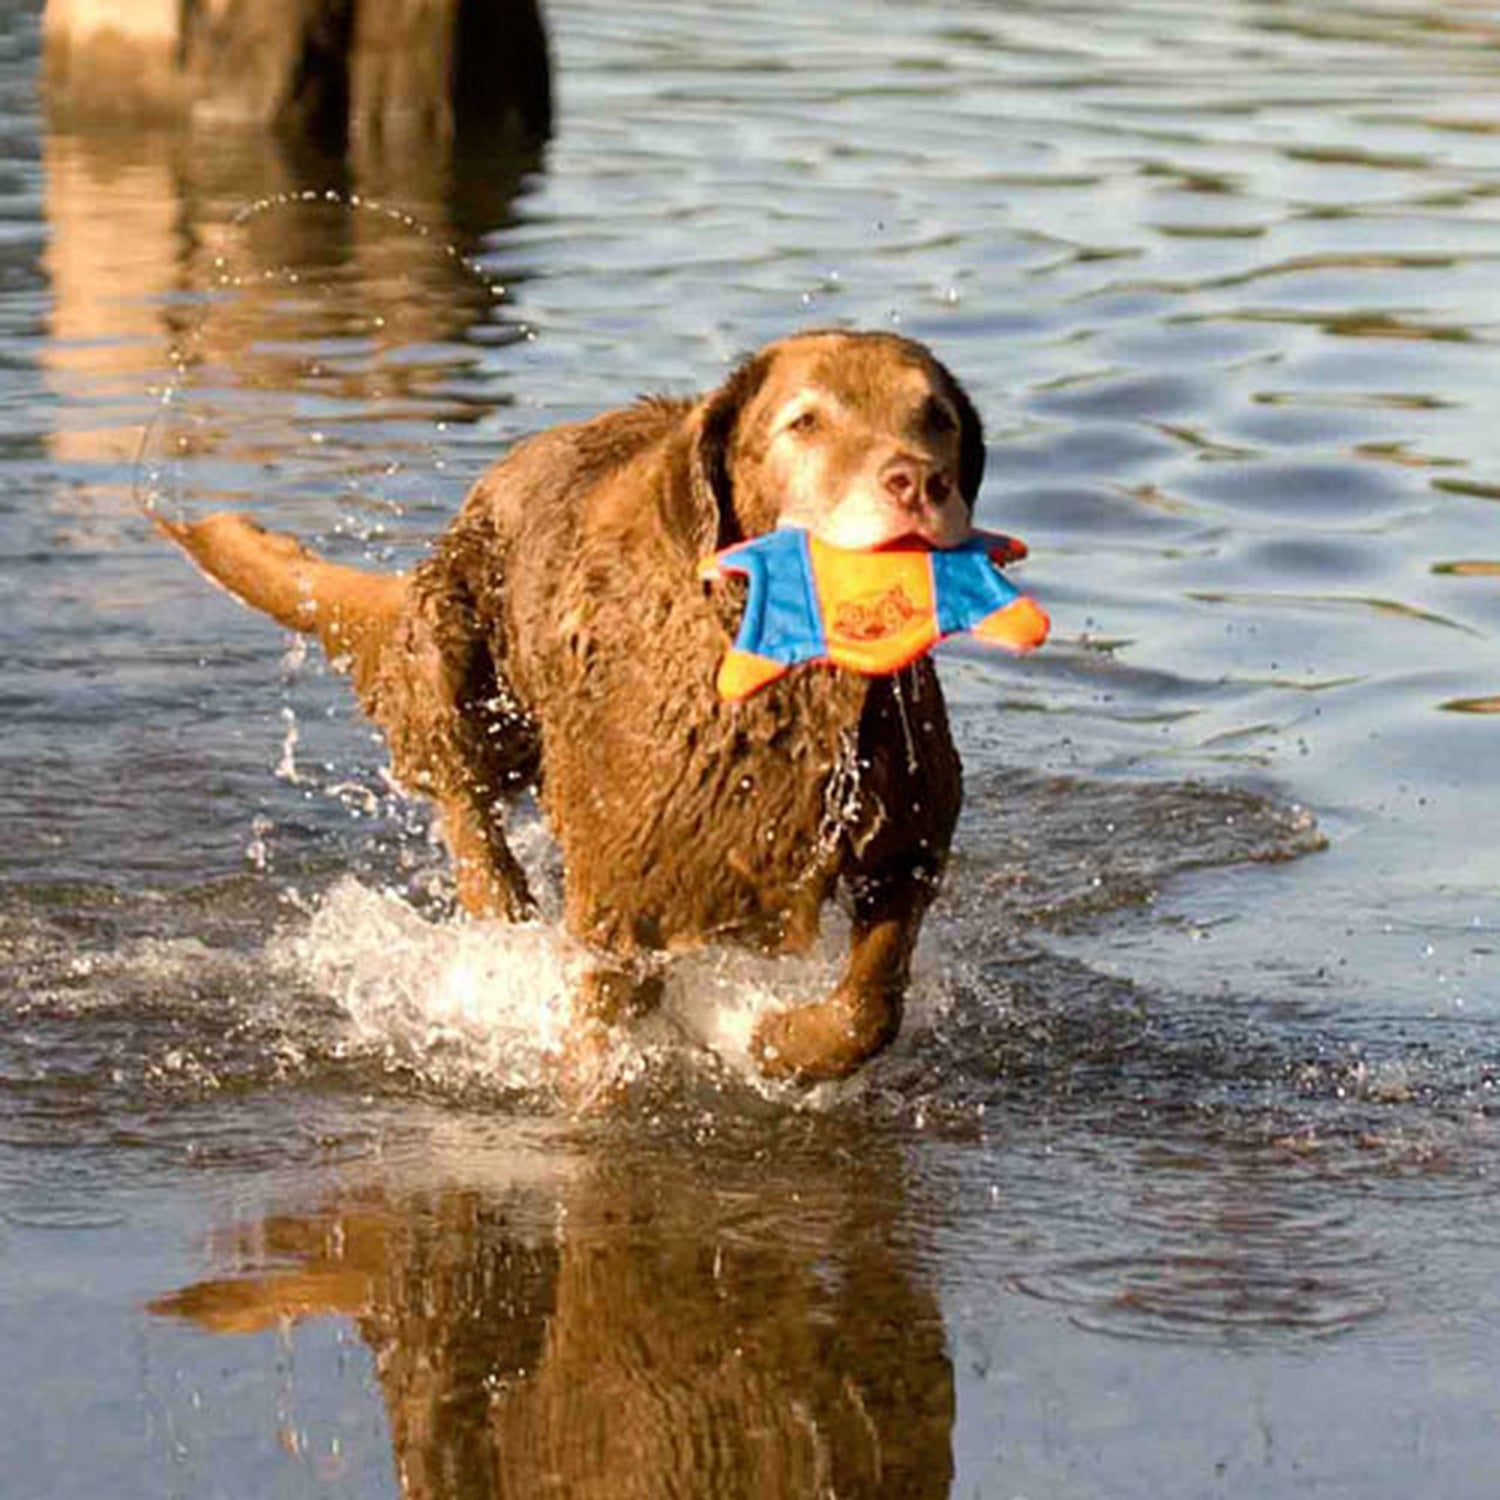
(286, 766)
(488, 1003)
(457, 999)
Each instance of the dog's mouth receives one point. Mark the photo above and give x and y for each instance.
(859, 527)
(921, 541)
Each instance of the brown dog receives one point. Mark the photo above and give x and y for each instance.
(559, 636)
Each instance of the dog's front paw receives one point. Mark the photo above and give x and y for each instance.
(827, 1040)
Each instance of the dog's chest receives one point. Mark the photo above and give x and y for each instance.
(720, 829)
(684, 818)
(734, 823)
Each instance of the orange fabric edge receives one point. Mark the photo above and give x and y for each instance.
(743, 672)
(1021, 626)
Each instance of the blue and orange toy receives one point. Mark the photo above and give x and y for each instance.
(873, 612)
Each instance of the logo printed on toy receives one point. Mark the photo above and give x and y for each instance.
(875, 616)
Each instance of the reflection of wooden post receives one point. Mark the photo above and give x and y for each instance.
(141, 225)
(113, 259)
(114, 58)
(434, 68)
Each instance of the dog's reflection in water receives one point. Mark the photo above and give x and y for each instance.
(689, 1331)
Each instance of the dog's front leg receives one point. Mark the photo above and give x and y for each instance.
(488, 880)
(833, 1038)
(609, 994)
(894, 865)
(606, 996)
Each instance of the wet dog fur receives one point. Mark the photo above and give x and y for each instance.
(558, 637)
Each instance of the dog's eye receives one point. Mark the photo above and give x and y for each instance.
(938, 416)
(805, 422)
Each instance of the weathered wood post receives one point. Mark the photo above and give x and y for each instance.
(337, 69)
(167, 117)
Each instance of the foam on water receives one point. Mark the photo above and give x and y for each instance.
(467, 1003)
(473, 996)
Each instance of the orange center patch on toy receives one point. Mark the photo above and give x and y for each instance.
(872, 612)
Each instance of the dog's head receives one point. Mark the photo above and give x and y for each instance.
(859, 437)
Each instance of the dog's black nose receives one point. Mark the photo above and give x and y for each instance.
(902, 480)
(910, 483)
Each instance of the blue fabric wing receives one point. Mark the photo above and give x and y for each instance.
(969, 587)
(782, 619)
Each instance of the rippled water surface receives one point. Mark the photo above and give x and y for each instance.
(1181, 1181)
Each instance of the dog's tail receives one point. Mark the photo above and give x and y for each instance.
(351, 611)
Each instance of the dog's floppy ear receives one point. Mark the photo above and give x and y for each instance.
(701, 493)
(970, 440)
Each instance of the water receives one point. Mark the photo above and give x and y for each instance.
(1181, 1181)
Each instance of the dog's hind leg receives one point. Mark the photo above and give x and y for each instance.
(423, 671)
(456, 736)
